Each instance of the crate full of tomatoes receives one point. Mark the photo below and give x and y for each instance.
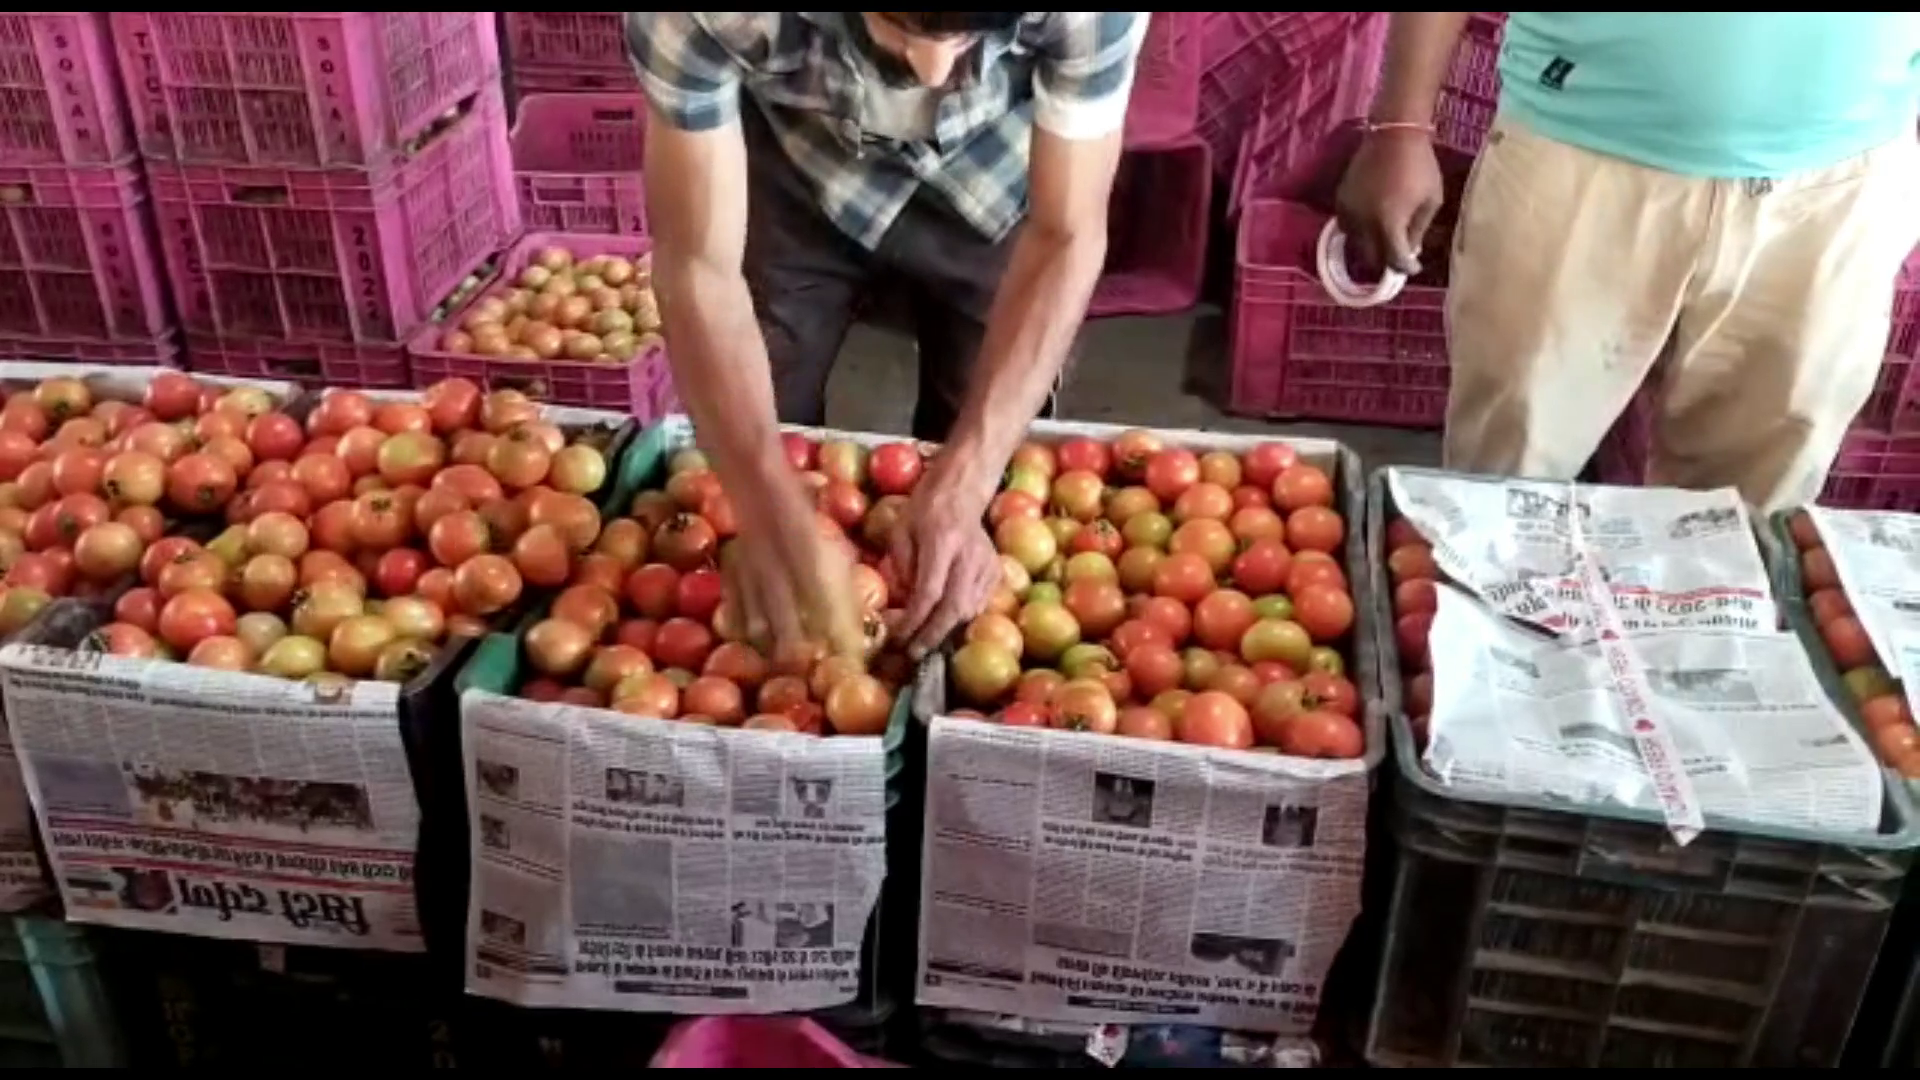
(633, 724)
(1153, 754)
(1552, 656)
(249, 691)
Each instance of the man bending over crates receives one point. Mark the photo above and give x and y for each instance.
(794, 159)
(1736, 190)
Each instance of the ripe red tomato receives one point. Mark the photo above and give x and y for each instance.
(683, 643)
(1411, 562)
(687, 541)
(1211, 718)
(1828, 605)
(1302, 485)
(1263, 464)
(194, 616)
(1847, 640)
(1133, 450)
(1084, 454)
(1410, 638)
(710, 695)
(1170, 615)
(1321, 734)
(1221, 617)
(653, 590)
(1325, 612)
(1415, 595)
(1171, 472)
(1817, 570)
(485, 585)
(452, 405)
(895, 468)
(1318, 569)
(1026, 714)
(1333, 693)
(1806, 536)
(171, 396)
(1185, 577)
(1401, 532)
(697, 594)
(1315, 528)
(801, 452)
(201, 483)
(1263, 567)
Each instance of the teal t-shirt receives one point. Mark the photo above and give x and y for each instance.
(1722, 94)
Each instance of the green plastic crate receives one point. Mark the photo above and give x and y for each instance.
(54, 1011)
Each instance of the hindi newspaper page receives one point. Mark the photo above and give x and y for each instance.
(1077, 877)
(1673, 559)
(23, 880)
(218, 803)
(1518, 712)
(628, 863)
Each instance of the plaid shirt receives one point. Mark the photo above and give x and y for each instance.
(1068, 71)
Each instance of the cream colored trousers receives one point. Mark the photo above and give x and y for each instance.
(1573, 272)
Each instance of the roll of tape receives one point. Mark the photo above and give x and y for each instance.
(1331, 258)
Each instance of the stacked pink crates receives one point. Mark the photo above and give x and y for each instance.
(568, 52)
(577, 163)
(78, 275)
(1241, 53)
(323, 181)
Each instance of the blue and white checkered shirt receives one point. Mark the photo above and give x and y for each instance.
(1067, 71)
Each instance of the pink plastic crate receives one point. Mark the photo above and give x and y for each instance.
(641, 387)
(60, 101)
(530, 79)
(77, 256)
(577, 162)
(337, 255)
(1472, 91)
(307, 364)
(1286, 149)
(1875, 471)
(1166, 81)
(1156, 232)
(1240, 53)
(325, 88)
(160, 351)
(756, 1042)
(587, 42)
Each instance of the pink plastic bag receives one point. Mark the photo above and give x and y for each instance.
(757, 1042)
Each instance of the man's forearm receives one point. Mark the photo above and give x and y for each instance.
(720, 368)
(1039, 308)
(1420, 46)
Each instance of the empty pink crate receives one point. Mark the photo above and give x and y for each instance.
(1297, 354)
(587, 42)
(1240, 53)
(1875, 471)
(639, 387)
(1472, 92)
(577, 161)
(1286, 150)
(77, 257)
(1156, 231)
(315, 89)
(309, 365)
(162, 350)
(60, 101)
(1166, 81)
(531, 79)
(337, 255)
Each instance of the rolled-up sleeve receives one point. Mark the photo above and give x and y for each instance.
(686, 72)
(1085, 72)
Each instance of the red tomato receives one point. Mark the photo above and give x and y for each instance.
(1307, 573)
(1332, 693)
(683, 643)
(1185, 577)
(1211, 718)
(895, 468)
(452, 404)
(1847, 640)
(653, 590)
(1806, 536)
(1828, 605)
(1817, 570)
(1084, 454)
(1221, 617)
(1263, 464)
(1325, 612)
(1171, 472)
(1302, 485)
(1315, 528)
(1321, 734)
(1414, 595)
(697, 594)
(1263, 567)
(398, 571)
(193, 616)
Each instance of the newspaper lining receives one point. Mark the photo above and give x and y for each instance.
(1529, 697)
(216, 803)
(1877, 556)
(23, 879)
(1085, 878)
(636, 864)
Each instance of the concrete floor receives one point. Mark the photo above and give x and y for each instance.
(1158, 371)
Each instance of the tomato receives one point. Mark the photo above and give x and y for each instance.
(843, 503)
(1300, 486)
(1098, 606)
(799, 450)
(122, 639)
(1138, 633)
(781, 693)
(1185, 577)
(1026, 714)
(193, 570)
(1315, 528)
(1318, 570)
(1817, 570)
(452, 404)
(411, 457)
(1208, 538)
(1263, 567)
(559, 648)
(222, 653)
(541, 556)
(1084, 455)
(398, 571)
(1416, 594)
(697, 594)
(1263, 464)
(139, 606)
(1136, 567)
(1897, 745)
(594, 608)
(859, 705)
(1277, 641)
(1806, 535)
(1085, 706)
(1171, 616)
(984, 671)
(1325, 612)
(1321, 734)
(107, 551)
(1154, 669)
(1203, 501)
(895, 468)
(1410, 638)
(719, 698)
(1847, 640)
(1029, 541)
(652, 695)
(686, 542)
(683, 643)
(380, 522)
(1211, 718)
(193, 616)
(737, 663)
(1132, 452)
(78, 470)
(1417, 694)
(1141, 722)
(1171, 472)
(1828, 605)
(485, 584)
(653, 590)
(1049, 629)
(201, 483)
(1221, 618)
(1331, 693)
(1887, 710)
(171, 396)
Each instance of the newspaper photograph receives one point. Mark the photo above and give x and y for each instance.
(23, 880)
(646, 865)
(1674, 559)
(1518, 712)
(1079, 877)
(216, 803)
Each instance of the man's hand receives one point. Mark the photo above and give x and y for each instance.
(793, 581)
(942, 551)
(1389, 197)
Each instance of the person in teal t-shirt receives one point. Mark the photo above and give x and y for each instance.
(1734, 192)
